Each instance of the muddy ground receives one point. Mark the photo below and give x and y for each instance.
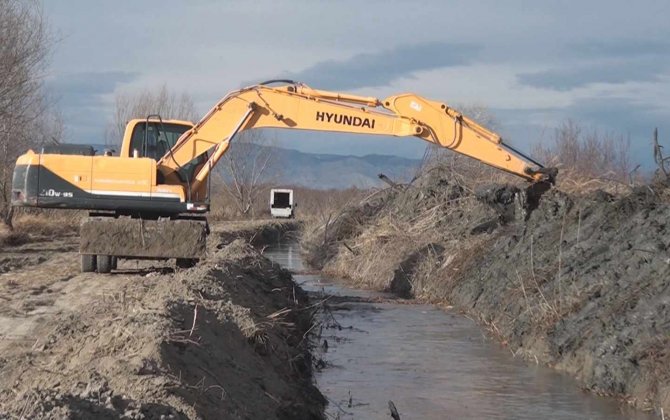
(580, 283)
(224, 339)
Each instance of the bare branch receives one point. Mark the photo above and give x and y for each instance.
(25, 119)
(168, 105)
(246, 167)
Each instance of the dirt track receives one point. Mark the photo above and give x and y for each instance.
(221, 340)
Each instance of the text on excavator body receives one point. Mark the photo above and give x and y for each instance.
(345, 119)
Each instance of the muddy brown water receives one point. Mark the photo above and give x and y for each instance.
(432, 364)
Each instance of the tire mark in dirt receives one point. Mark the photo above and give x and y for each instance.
(34, 287)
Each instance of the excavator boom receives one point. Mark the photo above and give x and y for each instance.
(297, 106)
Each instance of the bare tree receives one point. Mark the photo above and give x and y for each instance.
(24, 47)
(23, 52)
(588, 154)
(168, 105)
(659, 158)
(247, 165)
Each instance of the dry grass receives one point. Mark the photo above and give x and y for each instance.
(369, 240)
(398, 234)
(589, 160)
(372, 258)
(36, 223)
(312, 204)
(323, 233)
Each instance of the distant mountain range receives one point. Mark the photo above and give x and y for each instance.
(325, 171)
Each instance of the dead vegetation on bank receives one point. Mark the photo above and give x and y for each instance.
(30, 225)
(579, 283)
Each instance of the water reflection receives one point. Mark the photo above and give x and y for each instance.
(432, 364)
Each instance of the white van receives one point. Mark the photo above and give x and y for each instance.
(281, 203)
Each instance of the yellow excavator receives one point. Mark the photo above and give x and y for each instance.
(150, 201)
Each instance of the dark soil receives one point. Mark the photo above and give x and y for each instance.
(580, 283)
(584, 285)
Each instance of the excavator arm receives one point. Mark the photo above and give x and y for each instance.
(297, 106)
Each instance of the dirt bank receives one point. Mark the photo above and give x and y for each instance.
(582, 283)
(221, 340)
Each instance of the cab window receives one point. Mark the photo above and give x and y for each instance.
(159, 140)
(154, 139)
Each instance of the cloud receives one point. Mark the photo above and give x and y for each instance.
(448, 59)
(92, 81)
(381, 68)
(564, 79)
(620, 114)
(611, 61)
(617, 116)
(80, 97)
(621, 48)
(85, 88)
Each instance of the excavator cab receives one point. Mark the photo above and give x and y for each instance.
(154, 138)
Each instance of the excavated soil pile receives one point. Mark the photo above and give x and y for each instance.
(222, 340)
(581, 283)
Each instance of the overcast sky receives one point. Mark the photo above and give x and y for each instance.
(605, 64)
